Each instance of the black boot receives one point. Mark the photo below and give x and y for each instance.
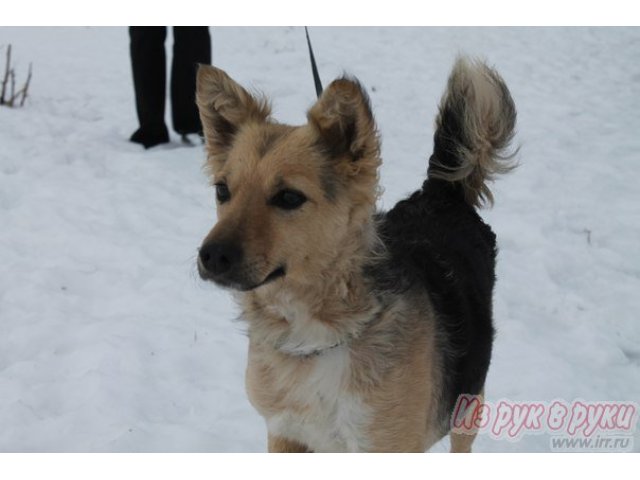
(150, 138)
(148, 63)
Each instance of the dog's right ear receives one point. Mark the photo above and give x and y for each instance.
(343, 119)
(224, 107)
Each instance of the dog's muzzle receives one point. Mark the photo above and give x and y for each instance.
(223, 263)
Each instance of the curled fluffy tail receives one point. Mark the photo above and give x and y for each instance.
(473, 130)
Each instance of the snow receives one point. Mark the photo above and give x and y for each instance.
(110, 342)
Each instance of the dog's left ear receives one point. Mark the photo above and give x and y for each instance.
(224, 107)
(343, 119)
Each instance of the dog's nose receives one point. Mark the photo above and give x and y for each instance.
(219, 258)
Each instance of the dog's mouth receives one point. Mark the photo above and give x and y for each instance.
(242, 284)
(274, 275)
(277, 273)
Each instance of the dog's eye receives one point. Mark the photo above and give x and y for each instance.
(288, 199)
(222, 192)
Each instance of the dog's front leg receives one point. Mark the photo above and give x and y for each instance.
(283, 445)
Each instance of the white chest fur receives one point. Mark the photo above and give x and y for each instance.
(304, 334)
(333, 419)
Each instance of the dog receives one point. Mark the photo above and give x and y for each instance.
(364, 327)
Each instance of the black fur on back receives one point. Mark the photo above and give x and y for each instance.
(438, 244)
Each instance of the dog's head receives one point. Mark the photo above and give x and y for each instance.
(289, 199)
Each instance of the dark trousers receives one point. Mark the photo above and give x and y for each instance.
(191, 45)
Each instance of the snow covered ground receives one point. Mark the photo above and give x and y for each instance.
(109, 341)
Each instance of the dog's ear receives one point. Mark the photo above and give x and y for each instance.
(224, 107)
(344, 122)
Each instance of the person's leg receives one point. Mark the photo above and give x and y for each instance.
(148, 63)
(191, 46)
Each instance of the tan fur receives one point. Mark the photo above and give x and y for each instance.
(405, 404)
(282, 445)
(461, 442)
(331, 367)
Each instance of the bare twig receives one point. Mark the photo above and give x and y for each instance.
(25, 89)
(6, 75)
(12, 76)
(8, 94)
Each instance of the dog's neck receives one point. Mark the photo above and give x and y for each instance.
(308, 319)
